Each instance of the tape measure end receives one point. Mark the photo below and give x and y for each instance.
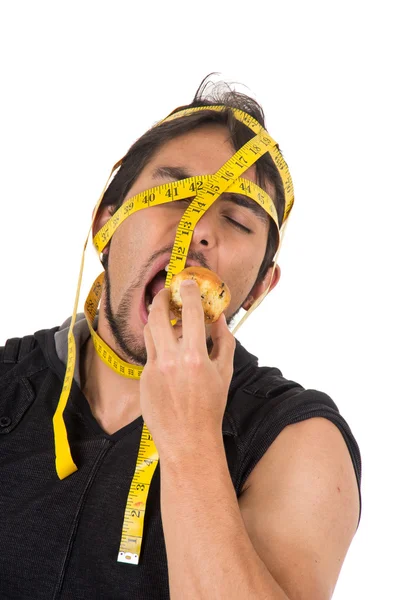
(128, 558)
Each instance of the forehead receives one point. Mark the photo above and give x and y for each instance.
(202, 151)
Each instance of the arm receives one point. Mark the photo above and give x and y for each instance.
(285, 539)
(209, 552)
(300, 503)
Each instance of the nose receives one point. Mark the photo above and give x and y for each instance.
(204, 234)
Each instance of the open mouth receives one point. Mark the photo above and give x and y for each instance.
(156, 284)
(152, 288)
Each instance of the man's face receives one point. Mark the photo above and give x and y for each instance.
(142, 245)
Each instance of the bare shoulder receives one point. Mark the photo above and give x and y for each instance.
(300, 506)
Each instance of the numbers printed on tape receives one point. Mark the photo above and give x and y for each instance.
(132, 529)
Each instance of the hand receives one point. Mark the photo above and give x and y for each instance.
(183, 391)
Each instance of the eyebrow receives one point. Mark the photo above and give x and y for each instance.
(177, 173)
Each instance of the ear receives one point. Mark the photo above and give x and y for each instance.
(262, 286)
(103, 215)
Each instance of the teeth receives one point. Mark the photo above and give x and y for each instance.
(167, 267)
(149, 308)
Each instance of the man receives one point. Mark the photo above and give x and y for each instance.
(256, 493)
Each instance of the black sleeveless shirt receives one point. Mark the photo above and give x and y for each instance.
(60, 539)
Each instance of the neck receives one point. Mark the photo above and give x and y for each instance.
(114, 400)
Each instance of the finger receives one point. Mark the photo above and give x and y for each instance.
(159, 320)
(224, 344)
(149, 343)
(193, 325)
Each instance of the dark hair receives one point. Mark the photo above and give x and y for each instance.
(145, 147)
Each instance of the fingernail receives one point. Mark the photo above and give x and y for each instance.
(187, 282)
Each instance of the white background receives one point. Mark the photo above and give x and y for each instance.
(81, 81)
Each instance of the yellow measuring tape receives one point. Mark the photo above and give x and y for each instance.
(204, 191)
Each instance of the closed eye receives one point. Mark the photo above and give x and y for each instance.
(232, 221)
(238, 225)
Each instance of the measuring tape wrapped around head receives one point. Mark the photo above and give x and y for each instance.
(204, 191)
